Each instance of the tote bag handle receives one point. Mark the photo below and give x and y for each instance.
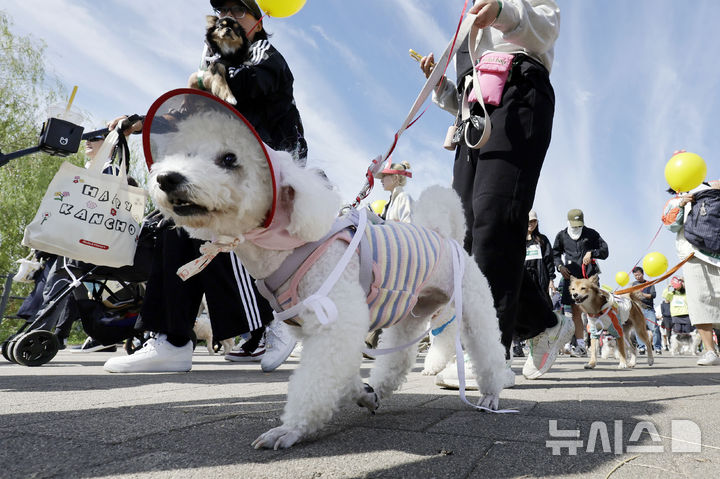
(105, 153)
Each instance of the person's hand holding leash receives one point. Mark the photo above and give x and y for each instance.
(587, 258)
(427, 64)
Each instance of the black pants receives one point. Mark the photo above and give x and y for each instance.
(497, 186)
(171, 304)
(59, 313)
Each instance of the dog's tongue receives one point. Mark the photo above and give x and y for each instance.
(167, 114)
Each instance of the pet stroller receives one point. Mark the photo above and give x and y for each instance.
(108, 315)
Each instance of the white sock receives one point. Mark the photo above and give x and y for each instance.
(580, 343)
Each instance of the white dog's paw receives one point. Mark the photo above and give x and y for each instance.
(489, 401)
(230, 99)
(432, 370)
(369, 399)
(651, 360)
(623, 366)
(276, 438)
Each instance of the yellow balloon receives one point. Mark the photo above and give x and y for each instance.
(378, 206)
(622, 278)
(655, 263)
(281, 8)
(685, 171)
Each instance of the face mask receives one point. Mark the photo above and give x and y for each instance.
(574, 231)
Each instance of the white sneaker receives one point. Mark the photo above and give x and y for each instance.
(710, 358)
(545, 346)
(448, 377)
(509, 378)
(297, 351)
(279, 343)
(156, 356)
(578, 352)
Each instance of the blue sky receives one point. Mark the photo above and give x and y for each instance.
(634, 81)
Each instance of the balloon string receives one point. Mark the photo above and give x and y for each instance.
(258, 22)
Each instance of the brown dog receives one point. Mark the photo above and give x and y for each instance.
(616, 314)
(227, 40)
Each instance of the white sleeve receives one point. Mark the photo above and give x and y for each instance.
(445, 96)
(531, 24)
(404, 208)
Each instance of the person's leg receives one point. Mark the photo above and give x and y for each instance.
(169, 309)
(170, 305)
(710, 355)
(579, 329)
(654, 326)
(234, 304)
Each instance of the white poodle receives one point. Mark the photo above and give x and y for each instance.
(213, 176)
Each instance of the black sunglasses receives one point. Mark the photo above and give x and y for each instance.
(236, 11)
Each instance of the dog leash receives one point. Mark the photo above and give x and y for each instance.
(463, 30)
(458, 273)
(669, 273)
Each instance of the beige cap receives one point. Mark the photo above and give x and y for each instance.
(576, 218)
(532, 215)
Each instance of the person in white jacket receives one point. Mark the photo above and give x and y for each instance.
(394, 178)
(702, 274)
(497, 181)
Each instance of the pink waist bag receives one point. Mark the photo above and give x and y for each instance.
(493, 72)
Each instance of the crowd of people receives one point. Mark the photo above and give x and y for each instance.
(496, 182)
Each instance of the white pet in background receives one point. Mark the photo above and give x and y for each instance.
(685, 343)
(203, 331)
(213, 178)
(609, 347)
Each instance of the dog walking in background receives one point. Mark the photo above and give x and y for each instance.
(213, 176)
(616, 314)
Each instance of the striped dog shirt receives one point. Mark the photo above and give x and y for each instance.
(401, 258)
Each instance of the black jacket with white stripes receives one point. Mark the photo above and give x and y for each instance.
(263, 87)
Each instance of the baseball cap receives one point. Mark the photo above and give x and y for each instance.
(532, 215)
(575, 217)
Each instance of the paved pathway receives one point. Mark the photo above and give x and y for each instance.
(69, 418)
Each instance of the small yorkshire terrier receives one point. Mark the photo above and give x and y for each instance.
(226, 38)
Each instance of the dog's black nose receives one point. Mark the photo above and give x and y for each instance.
(170, 181)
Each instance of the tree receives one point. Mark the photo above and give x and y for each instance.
(25, 94)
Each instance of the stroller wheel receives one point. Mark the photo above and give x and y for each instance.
(9, 347)
(35, 348)
(6, 349)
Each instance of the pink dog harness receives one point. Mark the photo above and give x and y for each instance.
(396, 260)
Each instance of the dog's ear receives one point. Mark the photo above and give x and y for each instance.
(313, 205)
(210, 21)
(573, 278)
(595, 279)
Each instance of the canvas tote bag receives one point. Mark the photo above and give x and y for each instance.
(89, 216)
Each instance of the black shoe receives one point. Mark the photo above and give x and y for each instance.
(518, 351)
(91, 346)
